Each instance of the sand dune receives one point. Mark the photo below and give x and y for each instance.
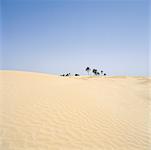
(44, 112)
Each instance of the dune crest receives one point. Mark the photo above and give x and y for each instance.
(43, 112)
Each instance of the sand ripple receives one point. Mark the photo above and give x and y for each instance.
(41, 112)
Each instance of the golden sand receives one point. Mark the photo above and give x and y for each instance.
(44, 112)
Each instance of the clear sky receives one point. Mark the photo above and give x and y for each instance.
(59, 36)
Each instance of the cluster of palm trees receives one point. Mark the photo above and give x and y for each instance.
(95, 71)
(88, 70)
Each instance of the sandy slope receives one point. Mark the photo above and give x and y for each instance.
(42, 112)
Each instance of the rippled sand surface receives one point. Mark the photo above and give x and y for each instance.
(44, 112)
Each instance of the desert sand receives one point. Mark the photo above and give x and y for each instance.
(47, 112)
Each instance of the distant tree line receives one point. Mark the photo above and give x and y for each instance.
(88, 70)
(95, 71)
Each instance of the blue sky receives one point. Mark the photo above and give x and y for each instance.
(67, 36)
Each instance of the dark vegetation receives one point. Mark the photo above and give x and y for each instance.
(88, 70)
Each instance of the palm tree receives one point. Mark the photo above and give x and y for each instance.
(101, 71)
(88, 70)
(95, 71)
